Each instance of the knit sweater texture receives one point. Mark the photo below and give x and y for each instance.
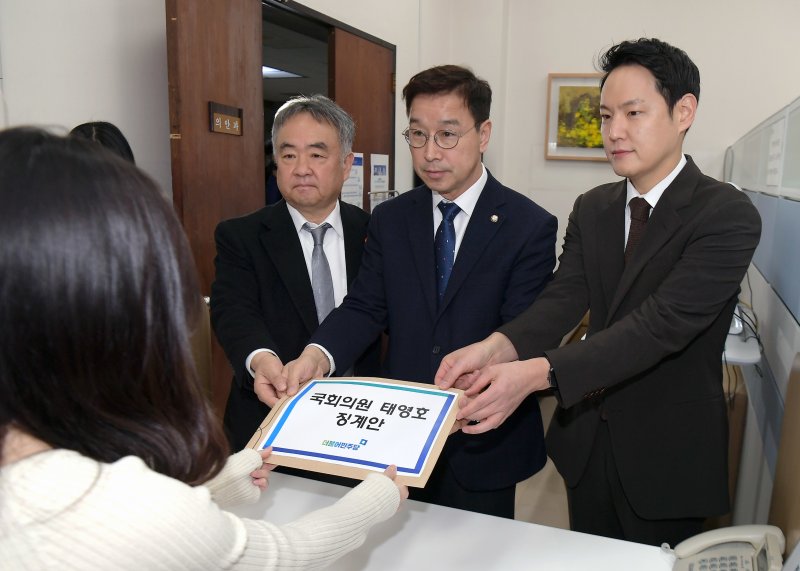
(59, 509)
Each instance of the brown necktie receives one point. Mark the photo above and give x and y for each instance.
(640, 210)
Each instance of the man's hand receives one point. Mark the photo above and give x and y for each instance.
(498, 390)
(311, 364)
(461, 368)
(268, 382)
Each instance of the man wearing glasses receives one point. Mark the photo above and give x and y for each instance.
(444, 265)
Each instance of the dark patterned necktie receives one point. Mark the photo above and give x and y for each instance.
(640, 212)
(445, 245)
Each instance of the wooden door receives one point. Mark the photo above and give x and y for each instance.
(214, 55)
(361, 80)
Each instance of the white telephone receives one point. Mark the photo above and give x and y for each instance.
(738, 548)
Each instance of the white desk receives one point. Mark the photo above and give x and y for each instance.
(424, 536)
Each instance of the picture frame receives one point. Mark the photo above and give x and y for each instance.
(573, 117)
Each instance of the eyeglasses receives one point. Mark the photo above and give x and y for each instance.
(444, 138)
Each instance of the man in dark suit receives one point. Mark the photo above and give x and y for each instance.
(263, 308)
(438, 281)
(641, 433)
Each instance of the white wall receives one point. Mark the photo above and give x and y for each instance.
(744, 50)
(66, 63)
(396, 22)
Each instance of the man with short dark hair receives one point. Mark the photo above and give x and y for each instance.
(641, 434)
(444, 265)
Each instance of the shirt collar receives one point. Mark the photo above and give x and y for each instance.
(655, 193)
(469, 198)
(334, 219)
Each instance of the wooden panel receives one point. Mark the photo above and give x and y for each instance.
(785, 509)
(736, 393)
(201, 349)
(362, 82)
(214, 54)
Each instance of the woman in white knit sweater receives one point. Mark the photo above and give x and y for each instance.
(109, 455)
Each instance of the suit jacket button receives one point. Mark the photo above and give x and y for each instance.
(436, 349)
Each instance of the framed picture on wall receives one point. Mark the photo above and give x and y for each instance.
(573, 117)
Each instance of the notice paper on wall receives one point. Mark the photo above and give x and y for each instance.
(353, 426)
(775, 154)
(353, 189)
(379, 180)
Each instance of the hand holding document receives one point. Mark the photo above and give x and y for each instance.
(353, 426)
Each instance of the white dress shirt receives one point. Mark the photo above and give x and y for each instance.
(652, 196)
(333, 245)
(466, 202)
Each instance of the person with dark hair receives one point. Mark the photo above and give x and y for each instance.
(264, 306)
(110, 456)
(107, 135)
(641, 433)
(444, 265)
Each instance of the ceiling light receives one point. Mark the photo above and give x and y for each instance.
(273, 73)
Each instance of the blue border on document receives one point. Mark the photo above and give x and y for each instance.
(416, 470)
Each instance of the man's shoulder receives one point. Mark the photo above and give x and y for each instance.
(352, 212)
(412, 195)
(709, 184)
(517, 203)
(402, 201)
(254, 217)
(602, 190)
(713, 196)
(255, 221)
(601, 196)
(707, 192)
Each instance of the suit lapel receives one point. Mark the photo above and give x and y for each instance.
(664, 221)
(609, 239)
(419, 223)
(486, 220)
(353, 242)
(282, 245)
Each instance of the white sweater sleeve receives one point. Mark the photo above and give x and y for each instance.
(233, 485)
(322, 536)
(65, 511)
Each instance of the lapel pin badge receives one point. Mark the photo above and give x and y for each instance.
(494, 218)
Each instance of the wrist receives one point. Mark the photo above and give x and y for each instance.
(253, 359)
(552, 379)
(260, 358)
(501, 350)
(321, 361)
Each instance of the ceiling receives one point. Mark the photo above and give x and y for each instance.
(298, 46)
